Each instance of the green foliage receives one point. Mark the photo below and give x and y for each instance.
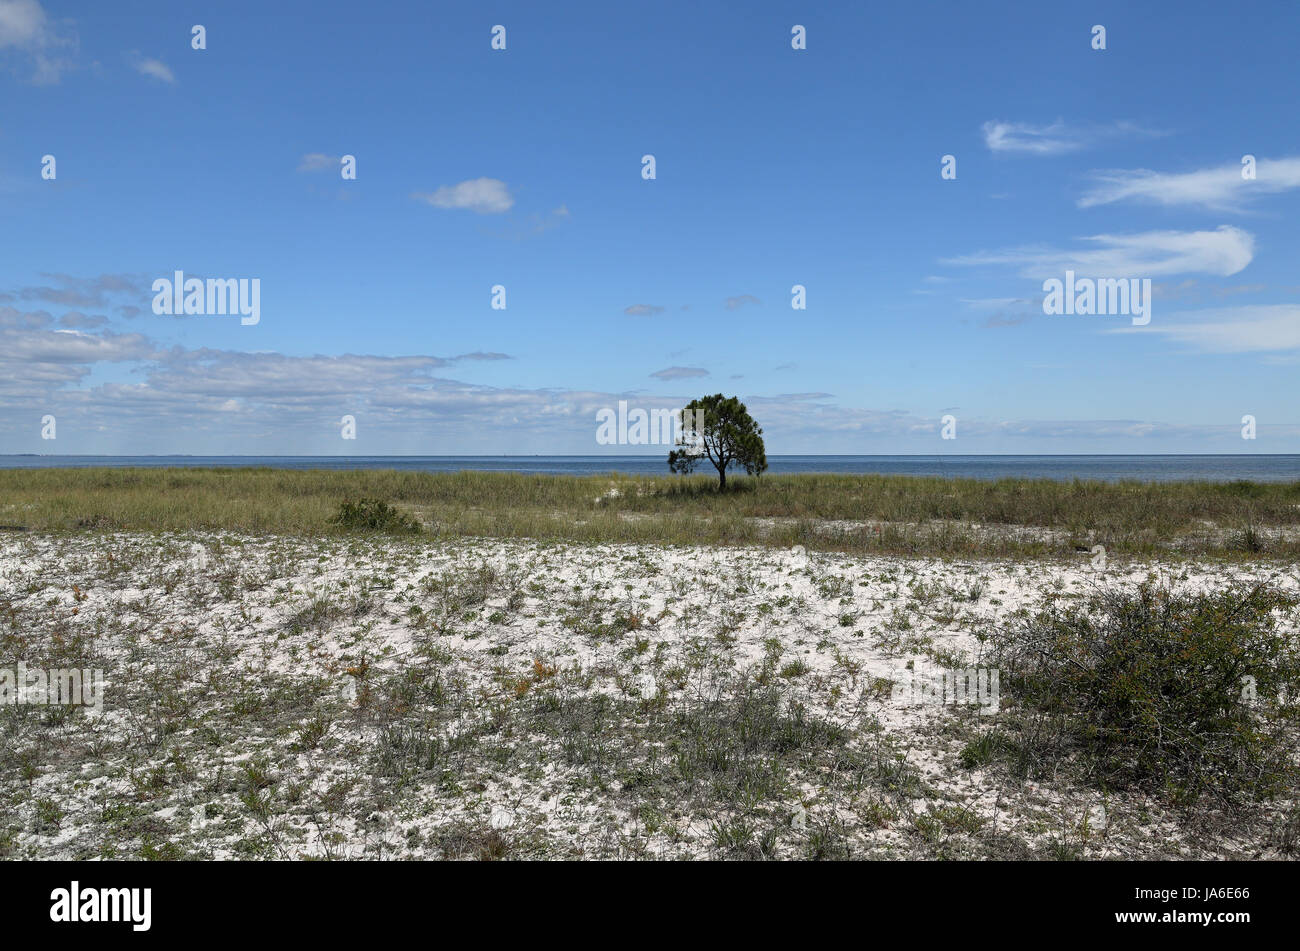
(374, 515)
(902, 515)
(1152, 688)
(724, 433)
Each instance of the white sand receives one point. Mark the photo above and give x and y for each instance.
(173, 612)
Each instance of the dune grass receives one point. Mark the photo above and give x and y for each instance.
(883, 514)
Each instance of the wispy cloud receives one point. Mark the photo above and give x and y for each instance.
(735, 303)
(1056, 138)
(1246, 329)
(1183, 290)
(486, 196)
(1237, 289)
(1004, 319)
(318, 162)
(791, 398)
(25, 28)
(21, 23)
(679, 373)
(1215, 189)
(70, 291)
(536, 224)
(155, 68)
(253, 398)
(643, 310)
(987, 302)
(1224, 251)
(479, 355)
(1005, 311)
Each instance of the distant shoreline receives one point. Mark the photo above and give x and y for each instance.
(655, 455)
(1170, 467)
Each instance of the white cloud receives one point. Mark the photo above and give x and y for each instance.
(82, 292)
(643, 310)
(155, 68)
(22, 23)
(1057, 138)
(1215, 189)
(193, 400)
(1023, 137)
(25, 27)
(25, 347)
(1224, 251)
(316, 161)
(486, 196)
(79, 321)
(1247, 329)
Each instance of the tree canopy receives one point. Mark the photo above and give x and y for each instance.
(718, 428)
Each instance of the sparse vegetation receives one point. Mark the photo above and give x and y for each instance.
(364, 692)
(895, 515)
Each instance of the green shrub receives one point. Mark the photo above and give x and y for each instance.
(374, 515)
(1150, 688)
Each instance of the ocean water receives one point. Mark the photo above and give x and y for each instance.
(1111, 468)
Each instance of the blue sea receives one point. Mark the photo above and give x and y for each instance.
(1110, 468)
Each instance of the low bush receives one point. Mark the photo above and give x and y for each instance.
(1192, 695)
(374, 515)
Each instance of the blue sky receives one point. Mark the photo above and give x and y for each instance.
(522, 168)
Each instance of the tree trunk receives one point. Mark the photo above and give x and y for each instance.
(722, 478)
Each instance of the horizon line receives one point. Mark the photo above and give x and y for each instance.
(493, 455)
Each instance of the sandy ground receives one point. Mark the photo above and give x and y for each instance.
(274, 697)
